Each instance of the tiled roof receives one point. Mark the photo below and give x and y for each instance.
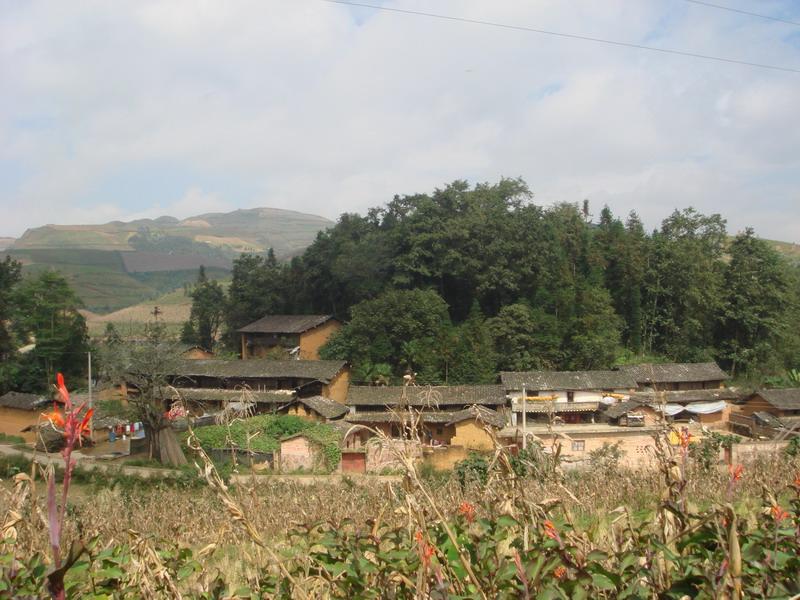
(784, 399)
(675, 372)
(219, 395)
(285, 323)
(330, 409)
(23, 401)
(684, 397)
(391, 417)
(566, 380)
(322, 370)
(441, 395)
(481, 414)
(557, 407)
(615, 411)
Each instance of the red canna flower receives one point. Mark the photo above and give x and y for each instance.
(778, 513)
(736, 472)
(425, 549)
(685, 438)
(551, 531)
(468, 511)
(55, 418)
(559, 572)
(62, 391)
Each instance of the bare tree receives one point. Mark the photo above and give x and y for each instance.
(146, 367)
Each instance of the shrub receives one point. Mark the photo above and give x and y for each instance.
(473, 469)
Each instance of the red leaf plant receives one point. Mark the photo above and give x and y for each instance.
(73, 426)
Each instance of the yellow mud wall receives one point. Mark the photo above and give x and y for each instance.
(311, 341)
(338, 387)
(13, 421)
(472, 436)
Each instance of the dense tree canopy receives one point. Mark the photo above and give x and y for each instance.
(41, 331)
(465, 281)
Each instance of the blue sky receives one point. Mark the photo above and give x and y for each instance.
(130, 109)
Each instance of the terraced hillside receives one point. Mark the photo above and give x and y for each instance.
(116, 265)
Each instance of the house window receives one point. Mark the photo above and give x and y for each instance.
(570, 396)
(439, 430)
(578, 445)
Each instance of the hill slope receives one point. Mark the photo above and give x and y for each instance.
(120, 264)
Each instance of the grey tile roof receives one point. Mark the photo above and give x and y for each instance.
(23, 401)
(674, 372)
(566, 380)
(330, 409)
(684, 397)
(615, 411)
(783, 399)
(285, 324)
(557, 407)
(322, 370)
(481, 414)
(440, 395)
(220, 395)
(391, 417)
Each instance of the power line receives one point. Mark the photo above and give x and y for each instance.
(743, 12)
(571, 36)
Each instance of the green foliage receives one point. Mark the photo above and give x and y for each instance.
(11, 439)
(712, 554)
(403, 328)
(757, 309)
(706, 451)
(255, 291)
(793, 447)
(467, 280)
(208, 300)
(472, 470)
(45, 309)
(264, 433)
(607, 457)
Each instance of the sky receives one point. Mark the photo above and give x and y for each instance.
(122, 110)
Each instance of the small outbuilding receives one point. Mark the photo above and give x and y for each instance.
(20, 411)
(782, 403)
(300, 453)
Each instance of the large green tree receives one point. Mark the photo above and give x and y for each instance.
(757, 306)
(402, 328)
(255, 290)
(208, 309)
(683, 286)
(46, 314)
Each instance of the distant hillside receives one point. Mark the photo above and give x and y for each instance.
(788, 249)
(5, 242)
(117, 264)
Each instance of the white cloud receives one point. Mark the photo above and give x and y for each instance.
(312, 109)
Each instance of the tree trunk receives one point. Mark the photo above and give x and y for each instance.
(170, 449)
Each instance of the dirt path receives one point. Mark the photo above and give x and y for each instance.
(91, 464)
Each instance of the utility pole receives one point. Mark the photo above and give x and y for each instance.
(524, 419)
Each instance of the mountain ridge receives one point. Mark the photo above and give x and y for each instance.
(121, 263)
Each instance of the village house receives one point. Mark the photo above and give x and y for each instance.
(326, 378)
(676, 376)
(298, 336)
(565, 396)
(20, 412)
(781, 403)
(435, 411)
(300, 453)
(575, 443)
(710, 407)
